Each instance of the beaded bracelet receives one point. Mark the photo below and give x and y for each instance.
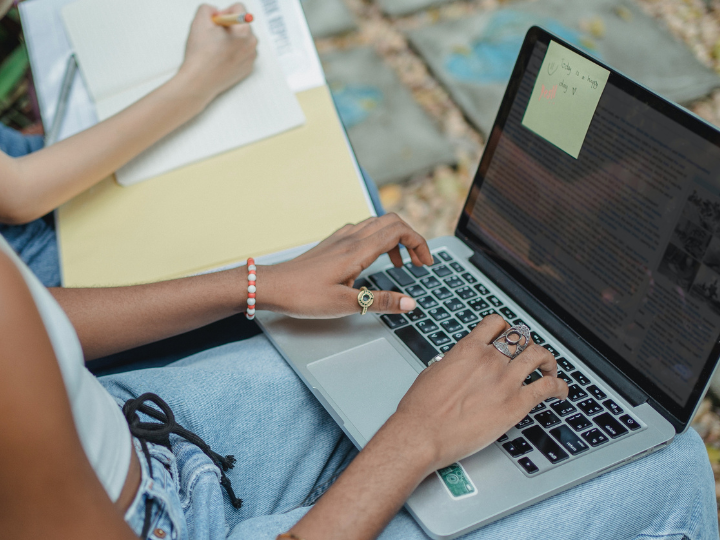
(250, 313)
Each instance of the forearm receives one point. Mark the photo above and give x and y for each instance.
(40, 182)
(371, 490)
(109, 320)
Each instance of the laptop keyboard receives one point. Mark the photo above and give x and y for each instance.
(451, 301)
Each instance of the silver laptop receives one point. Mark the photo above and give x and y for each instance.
(594, 218)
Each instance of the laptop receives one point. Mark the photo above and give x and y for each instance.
(594, 219)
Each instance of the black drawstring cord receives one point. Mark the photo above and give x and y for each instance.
(159, 433)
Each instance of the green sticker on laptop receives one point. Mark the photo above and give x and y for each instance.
(457, 481)
(566, 93)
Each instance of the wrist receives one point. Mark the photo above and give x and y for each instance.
(189, 87)
(402, 436)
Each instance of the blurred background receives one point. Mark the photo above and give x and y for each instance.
(418, 82)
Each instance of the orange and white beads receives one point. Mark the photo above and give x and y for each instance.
(252, 288)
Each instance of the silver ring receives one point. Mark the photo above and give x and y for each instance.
(516, 336)
(435, 358)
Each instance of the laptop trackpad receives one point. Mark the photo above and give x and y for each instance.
(366, 383)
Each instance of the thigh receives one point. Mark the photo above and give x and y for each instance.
(243, 399)
(669, 494)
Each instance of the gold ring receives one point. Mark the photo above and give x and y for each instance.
(365, 299)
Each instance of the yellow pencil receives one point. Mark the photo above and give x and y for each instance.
(232, 18)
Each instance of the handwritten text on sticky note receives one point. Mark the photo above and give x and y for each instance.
(564, 99)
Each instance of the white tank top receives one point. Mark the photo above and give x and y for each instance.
(103, 431)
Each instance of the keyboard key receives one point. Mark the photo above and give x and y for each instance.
(457, 267)
(457, 336)
(416, 343)
(537, 408)
(575, 392)
(563, 363)
(517, 447)
(415, 291)
(427, 326)
(545, 444)
(442, 293)
(439, 338)
(528, 465)
(472, 325)
(467, 276)
(393, 321)
(362, 282)
(534, 376)
(546, 419)
(427, 302)
(401, 276)
(579, 377)
(537, 339)
(417, 271)
(451, 326)
(481, 289)
(524, 422)
(594, 437)
(487, 312)
(445, 256)
(453, 304)
(445, 348)
(552, 350)
(430, 282)
(596, 392)
(578, 422)
(564, 377)
(465, 293)
(383, 282)
(436, 261)
(613, 407)
(466, 316)
(478, 304)
(442, 271)
(563, 408)
(629, 422)
(507, 313)
(609, 425)
(568, 439)
(494, 300)
(518, 322)
(590, 406)
(415, 315)
(454, 282)
(439, 314)
(502, 438)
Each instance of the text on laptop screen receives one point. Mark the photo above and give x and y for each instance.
(625, 237)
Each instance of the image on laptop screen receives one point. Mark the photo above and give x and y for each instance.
(612, 209)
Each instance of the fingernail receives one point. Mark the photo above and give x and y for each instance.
(407, 304)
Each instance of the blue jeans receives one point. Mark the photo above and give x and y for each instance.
(36, 243)
(243, 399)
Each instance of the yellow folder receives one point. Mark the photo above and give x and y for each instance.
(286, 191)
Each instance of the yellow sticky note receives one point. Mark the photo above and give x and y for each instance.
(563, 101)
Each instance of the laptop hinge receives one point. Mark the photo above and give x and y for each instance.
(562, 332)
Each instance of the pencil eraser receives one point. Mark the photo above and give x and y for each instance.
(248, 18)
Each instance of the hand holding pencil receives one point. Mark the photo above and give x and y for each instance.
(220, 50)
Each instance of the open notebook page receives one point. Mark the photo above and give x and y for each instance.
(127, 48)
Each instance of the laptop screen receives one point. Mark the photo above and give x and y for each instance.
(603, 200)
